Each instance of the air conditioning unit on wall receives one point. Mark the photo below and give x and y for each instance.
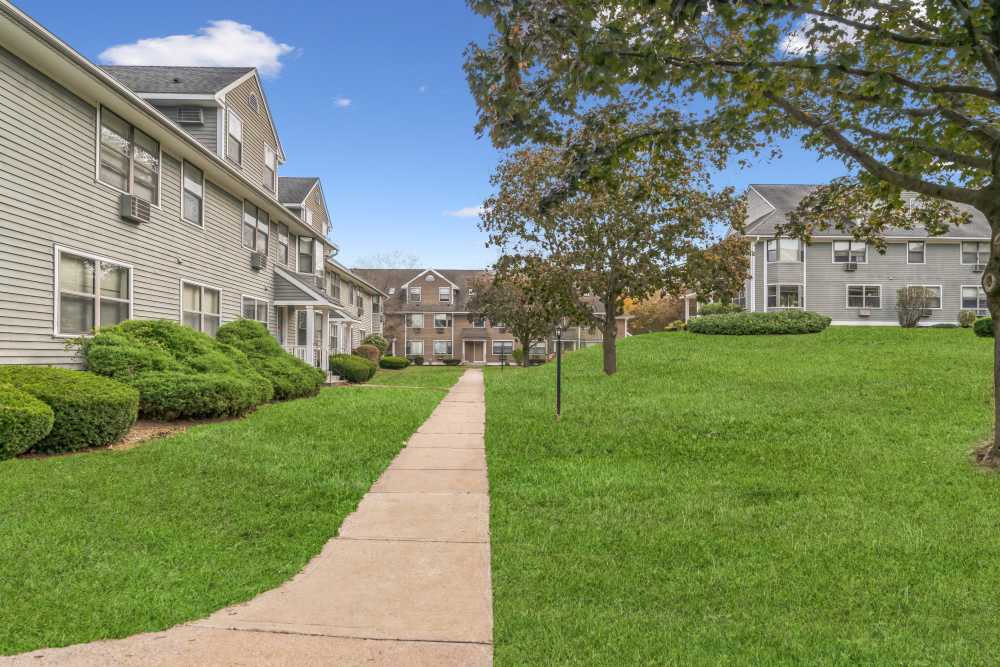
(978, 268)
(851, 266)
(134, 209)
(258, 261)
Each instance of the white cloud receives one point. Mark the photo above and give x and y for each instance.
(224, 43)
(467, 212)
(343, 102)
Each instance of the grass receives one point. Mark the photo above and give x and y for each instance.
(765, 500)
(108, 544)
(429, 377)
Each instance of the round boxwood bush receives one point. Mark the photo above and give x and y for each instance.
(88, 410)
(290, 377)
(352, 368)
(369, 352)
(753, 324)
(24, 420)
(719, 309)
(394, 363)
(983, 327)
(418, 359)
(168, 351)
(378, 341)
(451, 361)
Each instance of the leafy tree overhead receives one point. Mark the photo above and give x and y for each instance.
(623, 236)
(905, 92)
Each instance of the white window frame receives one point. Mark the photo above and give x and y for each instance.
(230, 114)
(58, 250)
(482, 322)
(961, 252)
(940, 294)
(833, 251)
(410, 292)
(256, 309)
(864, 297)
(409, 320)
(799, 251)
(202, 312)
(448, 343)
(447, 320)
(308, 216)
(444, 292)
(258, 227)
(97, 158)
(505, 343)
(923, 253)
(299, 253)
(980, 294)
(284, 246)
(270, 165)
(411, 343)
(201, 223)
(777, 296)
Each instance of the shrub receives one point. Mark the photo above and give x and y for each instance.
(88, 410)
(24, 420)
(518, 356)
(290, 377)
(676, 325)
(168, 351)
(451, 361)
(418, 359)
(720, 309)
(983, 327)
(378, 341)
(394, 363)
(966, 318)
(911, 304)
(369, 352)
(748, 324)
(352, 368)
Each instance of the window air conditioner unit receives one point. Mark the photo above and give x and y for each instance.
(190, 116)
(978, 268)
(851, 266)
(134, 209)
(258, 261)
(865, 312)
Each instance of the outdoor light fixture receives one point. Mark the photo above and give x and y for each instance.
(559, 333)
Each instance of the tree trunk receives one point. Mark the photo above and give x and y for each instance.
(525, 346)
(991, 285)
(610, 332)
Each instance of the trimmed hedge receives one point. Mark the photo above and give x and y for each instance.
(352, 368)
(450, 361)
(753, 324)
(88, 410)
(983, 327)
(378, 341)
(394, 363)
(290, 377)
(720, 309)
(24, 420)
(369, 352)
(148, 354)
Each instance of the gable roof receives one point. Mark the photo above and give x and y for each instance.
(295, 189)
(176, 79)
(784, 198)
(384, 279)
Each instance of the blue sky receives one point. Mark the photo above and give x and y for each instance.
(370, 97)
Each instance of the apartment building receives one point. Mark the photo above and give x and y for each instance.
(849, 280)
(153, 193)
(427, 314)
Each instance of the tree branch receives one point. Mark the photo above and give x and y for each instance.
(972, 161)
(985, 50)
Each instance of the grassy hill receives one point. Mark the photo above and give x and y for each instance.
(804, 499)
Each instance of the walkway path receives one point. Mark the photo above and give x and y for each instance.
(406, 582)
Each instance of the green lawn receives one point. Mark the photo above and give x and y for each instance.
(108, 544)
(778, 500)
(431, 377)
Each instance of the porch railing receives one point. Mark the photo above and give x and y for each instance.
(298, 351)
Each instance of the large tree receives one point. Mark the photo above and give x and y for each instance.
(905, 92)
(626, 235)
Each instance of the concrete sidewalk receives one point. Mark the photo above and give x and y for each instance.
(406, 582)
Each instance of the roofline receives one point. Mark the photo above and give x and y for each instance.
(759, 218)
(221, 94)
(10, 13)
(311, 291)
(434, 271)
(337, 265)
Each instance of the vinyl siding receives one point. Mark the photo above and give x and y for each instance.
(760, 270)
(257, 128)
(206, 133)
(756, 205)
(314, 202)
(49, 196)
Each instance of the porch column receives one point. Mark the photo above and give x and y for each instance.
(310, 336)
(687, 308)
(324, 361)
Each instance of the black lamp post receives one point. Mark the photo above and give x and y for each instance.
(559, 332)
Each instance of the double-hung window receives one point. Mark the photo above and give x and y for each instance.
(335, 290)
(442, 347)
(784, 250)
(256, 228)
(270, 168)
(444, 294)
(376, 303)
(975, 252)
(784, 296)
(93, 293)
(282, 243)
(414, 348)
(415, 320)
(234, 138)
(505, 347)
(201, 308)
(129, 158)
(334, 336)
(931, 295)
(441, 320)
(308, 216)
(413, 296)
(537, 350)
(916, 252)
(194, 194)
(478, 322)
(854, 252)
(974, 298)
(255, 309)
(864, 296)
(306, 264)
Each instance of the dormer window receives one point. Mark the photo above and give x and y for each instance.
(234, 138)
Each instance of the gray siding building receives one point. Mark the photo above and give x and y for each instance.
(850, 281)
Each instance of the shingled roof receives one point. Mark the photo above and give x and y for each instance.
(175, 79)
(293, 189)
(785, 198)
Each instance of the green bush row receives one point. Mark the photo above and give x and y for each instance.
(352, 368)
(290, 377)
(719, 309)
(87, 410)
(983, 327)
(24, 420)
(394, 363)
(751, 324)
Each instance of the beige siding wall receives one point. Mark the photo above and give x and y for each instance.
(49, 196)
(321, 219)
(257, 129)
